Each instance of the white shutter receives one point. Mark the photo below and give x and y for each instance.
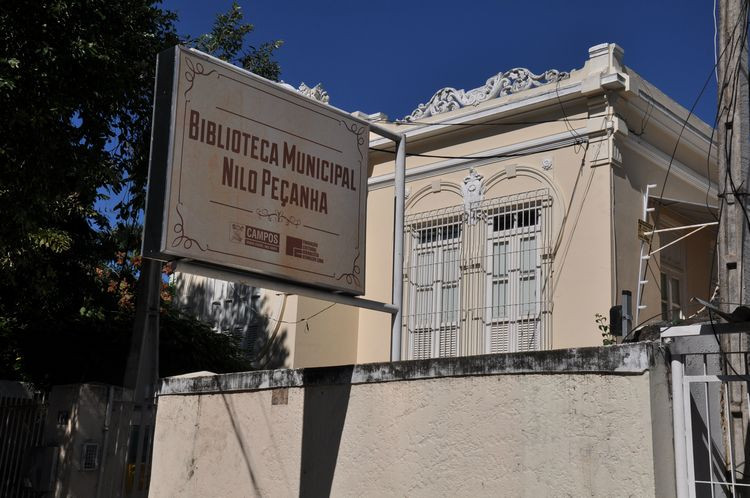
(421, 344)
(448, 342)
(499, 342)
(527, 335)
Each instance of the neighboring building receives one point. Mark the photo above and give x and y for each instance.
(522, 213)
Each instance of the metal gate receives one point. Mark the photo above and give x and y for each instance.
(21, 430)
(710, 407)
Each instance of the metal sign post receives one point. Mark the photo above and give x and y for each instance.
(250, 180)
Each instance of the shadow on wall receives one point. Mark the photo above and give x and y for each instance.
(324, 414)
(236, 310)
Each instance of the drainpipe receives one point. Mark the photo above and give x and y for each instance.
(105, 441)
(398, 247)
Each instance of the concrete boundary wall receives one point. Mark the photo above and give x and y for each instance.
(578, 422)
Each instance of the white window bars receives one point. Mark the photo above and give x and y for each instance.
(478, 287)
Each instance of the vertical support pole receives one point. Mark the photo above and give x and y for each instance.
(678, 427)
(143, 361)
(734, 234)
(398, 247)
(142, 373)
(627, 313)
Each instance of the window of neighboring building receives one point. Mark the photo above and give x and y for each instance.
(672, 276)
(671, 302)
(477, 285)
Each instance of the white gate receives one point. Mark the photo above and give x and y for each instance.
(710, 408)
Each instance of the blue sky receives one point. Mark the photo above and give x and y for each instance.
(389, 56)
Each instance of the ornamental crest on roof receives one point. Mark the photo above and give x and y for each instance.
(505, 83)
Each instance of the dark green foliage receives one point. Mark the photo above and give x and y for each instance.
(227, 42)
(76, 83)
(94, 349)
(75, 91)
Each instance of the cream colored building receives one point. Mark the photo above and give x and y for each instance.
(523, 201)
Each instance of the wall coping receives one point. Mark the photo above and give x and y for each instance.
(626, 359)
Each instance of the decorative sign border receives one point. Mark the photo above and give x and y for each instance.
(186, 66)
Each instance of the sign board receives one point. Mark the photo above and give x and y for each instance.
(645, 230)
(250, 175)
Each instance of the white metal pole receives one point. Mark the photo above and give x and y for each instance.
(642, 261)
(398, 247)
(678, 419)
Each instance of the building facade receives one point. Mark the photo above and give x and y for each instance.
(522, 220)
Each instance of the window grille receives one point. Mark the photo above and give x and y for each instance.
(90, 456)
(476, 285)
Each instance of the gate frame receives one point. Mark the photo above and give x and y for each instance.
(682, 424)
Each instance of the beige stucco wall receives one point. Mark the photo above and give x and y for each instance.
(626, 135)
(326, 338)
(630, 180)
(523, 434)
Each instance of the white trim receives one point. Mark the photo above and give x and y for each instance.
(672, 229)
(669, 118)
(530, 103)
(661, 159)
(449, 165)
(676, 119)
(715, 207)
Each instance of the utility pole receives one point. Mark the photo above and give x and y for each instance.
(733, 129)
(141, 377)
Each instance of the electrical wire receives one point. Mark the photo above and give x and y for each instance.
(306, 319)
(577, 142)
(562, 109)
(679, 138)
(399, 122)
(730, 108)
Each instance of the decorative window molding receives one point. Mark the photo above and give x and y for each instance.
(482, 287)
(473, 194)
(513, 81)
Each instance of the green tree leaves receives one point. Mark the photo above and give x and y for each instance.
(76, 83)
(227, 41)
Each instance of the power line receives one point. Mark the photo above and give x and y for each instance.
(577, 141)
(399, 122)
(679, 138)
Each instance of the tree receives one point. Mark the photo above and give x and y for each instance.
(227, 41)
(76, 83)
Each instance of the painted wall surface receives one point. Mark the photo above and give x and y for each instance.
(610, 140)
(597, 193)
(78, 415)
(562, 433)
(326, 338)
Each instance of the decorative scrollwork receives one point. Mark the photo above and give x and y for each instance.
(512, 81)
(193, 70)
(316, 93)
(359, 133)
(279, 216)
(182, 239)
(353, 276)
